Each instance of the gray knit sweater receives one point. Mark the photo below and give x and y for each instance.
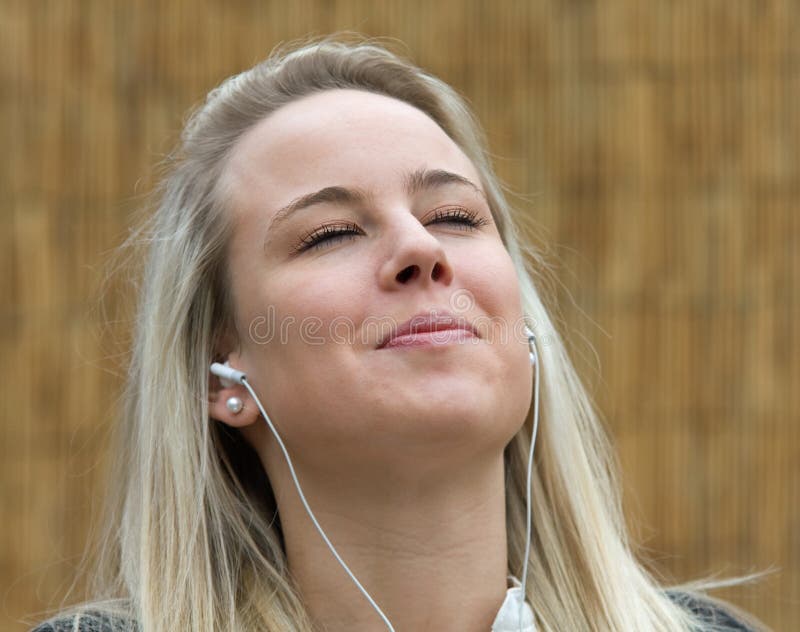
(711, 614)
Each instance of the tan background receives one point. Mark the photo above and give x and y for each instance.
(654, 143)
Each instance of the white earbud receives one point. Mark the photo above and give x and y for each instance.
(531, 343)
(228, 376)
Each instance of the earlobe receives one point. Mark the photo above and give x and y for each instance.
(232, 406)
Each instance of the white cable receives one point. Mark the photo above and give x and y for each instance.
(535, 356)
(246, 384)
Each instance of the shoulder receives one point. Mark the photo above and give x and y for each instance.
(89, 622)
(715, 613)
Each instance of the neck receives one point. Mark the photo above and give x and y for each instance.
(431, 551)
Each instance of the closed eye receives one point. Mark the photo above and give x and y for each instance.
(331, 234)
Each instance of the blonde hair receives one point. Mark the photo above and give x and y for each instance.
(192, 538)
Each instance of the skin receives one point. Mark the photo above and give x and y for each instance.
(399, 451)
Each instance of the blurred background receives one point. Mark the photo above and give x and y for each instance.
(653, 146)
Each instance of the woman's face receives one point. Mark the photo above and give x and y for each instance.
(317, 289)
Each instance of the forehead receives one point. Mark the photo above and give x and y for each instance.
(338, 137)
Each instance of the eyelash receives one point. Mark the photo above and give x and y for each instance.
(332, 233)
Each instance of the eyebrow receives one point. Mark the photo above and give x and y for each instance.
(414, 182)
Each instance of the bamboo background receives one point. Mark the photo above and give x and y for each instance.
(655, 145)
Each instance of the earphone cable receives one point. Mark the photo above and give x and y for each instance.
(528, 485)
(308, 509)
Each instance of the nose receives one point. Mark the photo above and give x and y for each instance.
(416, 257)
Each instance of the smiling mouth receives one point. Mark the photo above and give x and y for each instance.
(434, 328)
(437, 338)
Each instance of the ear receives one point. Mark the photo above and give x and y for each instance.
(218, 396)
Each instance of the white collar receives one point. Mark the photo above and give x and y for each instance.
(508, 619)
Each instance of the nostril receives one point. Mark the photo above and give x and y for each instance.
(408, 273)
(437, 272)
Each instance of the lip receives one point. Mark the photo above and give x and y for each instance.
(428, 322)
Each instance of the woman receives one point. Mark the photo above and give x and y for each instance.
(332, 229)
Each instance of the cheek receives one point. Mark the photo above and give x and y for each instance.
(296, 366)
(499, 316)
(303, 307)
(300, 331)
(493, 280)
(323, 308)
